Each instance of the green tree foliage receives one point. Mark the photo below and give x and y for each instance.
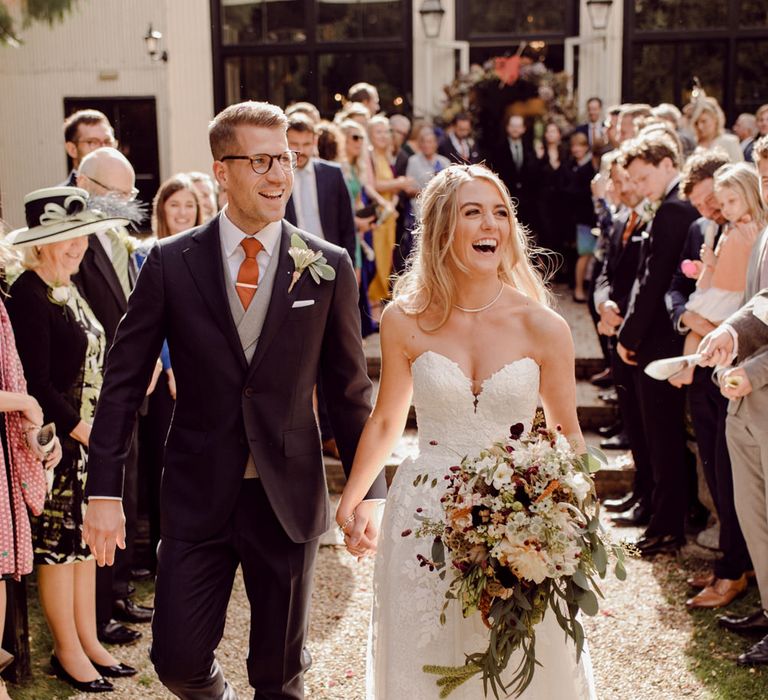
(50, 11)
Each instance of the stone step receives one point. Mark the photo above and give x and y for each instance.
(611, 482)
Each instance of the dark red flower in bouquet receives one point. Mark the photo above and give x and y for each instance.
(516, 431)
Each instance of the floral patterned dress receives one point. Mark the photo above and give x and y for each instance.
(58, 531)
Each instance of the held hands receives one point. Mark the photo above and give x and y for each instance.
(359, 528)
(104, 528)
(627, 356)
(610, 318)
(716, 348)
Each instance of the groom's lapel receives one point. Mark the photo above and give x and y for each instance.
(281, 301)
(204, 260)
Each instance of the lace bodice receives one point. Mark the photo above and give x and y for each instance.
(450, 414)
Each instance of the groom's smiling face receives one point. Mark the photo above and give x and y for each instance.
(254, 199)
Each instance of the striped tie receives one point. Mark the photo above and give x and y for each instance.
(120, 260)
(248, 274)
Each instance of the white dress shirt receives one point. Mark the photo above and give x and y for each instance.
(233, 253)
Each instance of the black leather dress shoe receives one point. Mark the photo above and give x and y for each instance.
(113, 632)
(619, 505)
(118, 671)
(755, 623)
(100, 685)
(607, 431)
(602, 379)
(662, 544)
(126, 610)
(756, 655)
(639, 515)
(617, 442)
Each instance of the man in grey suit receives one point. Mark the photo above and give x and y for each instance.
(743, 341)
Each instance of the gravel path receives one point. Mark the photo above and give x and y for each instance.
(637, 642)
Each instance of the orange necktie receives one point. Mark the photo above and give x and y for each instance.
(248, 274)
(630, 227)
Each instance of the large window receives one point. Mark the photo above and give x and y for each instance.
(291, 50)
(723, 43)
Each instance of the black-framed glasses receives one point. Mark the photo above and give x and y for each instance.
(261, 163)
(128, 196)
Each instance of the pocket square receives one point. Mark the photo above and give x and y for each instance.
(302, 302)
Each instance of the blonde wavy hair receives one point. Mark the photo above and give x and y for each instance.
(743, 178)
(429, 280)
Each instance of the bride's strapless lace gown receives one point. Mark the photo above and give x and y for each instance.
(406, 632)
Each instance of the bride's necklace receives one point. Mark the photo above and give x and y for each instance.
(481, 308)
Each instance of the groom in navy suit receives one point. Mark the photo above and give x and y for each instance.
(249, 332)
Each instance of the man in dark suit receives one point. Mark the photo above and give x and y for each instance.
(514, 161)
(652, 161)
(593, 128)
(612, 290)
(320, 202)
(84, 132)
(457, 144)
(243, 480)
(106, 278)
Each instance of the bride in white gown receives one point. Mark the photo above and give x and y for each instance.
(471, 340)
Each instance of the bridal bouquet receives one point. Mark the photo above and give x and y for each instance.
(519, 535)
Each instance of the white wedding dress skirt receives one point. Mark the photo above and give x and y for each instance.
(406, 632)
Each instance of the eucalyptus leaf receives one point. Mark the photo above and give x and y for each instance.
(314, 274)
(297, 241)
(600, 559)
(620, 571)
(580, 579)
(325, 271)
(588, 603)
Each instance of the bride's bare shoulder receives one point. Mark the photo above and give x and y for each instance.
(397, 327)
(544, 323)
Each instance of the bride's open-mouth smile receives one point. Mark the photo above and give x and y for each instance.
(486, 246)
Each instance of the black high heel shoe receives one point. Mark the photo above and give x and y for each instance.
(116, 671)
(100, 685)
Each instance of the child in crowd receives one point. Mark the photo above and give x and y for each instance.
(722, 272)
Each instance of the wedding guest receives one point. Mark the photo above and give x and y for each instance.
(745, 129)
(389, 187)
(593, 128)
(365, 94)
(22, 463)
(401, 129)
(84, 132)
(515, 163)
(646, 334)
(629, 113)
(708, 407)
(742, 341)
(761, 119)
(457, 144)
(577, 176)
(330, 142)
(673, 116)
(353, 111)
(612, 291)
(61, 345)
(708, 122)
(425, 163)
(206, 190)
(177, 207)
(550, 166)
(105, 279)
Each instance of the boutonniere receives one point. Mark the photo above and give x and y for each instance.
(305, 258)
(131, 244)
(59, 294)
(649, 211)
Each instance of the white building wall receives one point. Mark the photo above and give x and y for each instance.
(98, 51)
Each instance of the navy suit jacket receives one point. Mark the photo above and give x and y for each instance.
(225, 406)
(336, 212)
(647, 329)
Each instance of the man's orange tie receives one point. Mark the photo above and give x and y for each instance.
(248, 275)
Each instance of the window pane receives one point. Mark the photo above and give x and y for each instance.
(658, 68)
(515, 17)
(338, 72)
(680, 14)
(753, 13)
(338, 20)
(751, 86)
(262, 21)
(278, 79)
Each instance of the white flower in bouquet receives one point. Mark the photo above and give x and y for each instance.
(502, 475)
(577, 482)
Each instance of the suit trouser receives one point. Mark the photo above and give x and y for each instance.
(708, 413)
(626, 379)
(192, 591)
(663, 411)
(112, 581)
(748, 444)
